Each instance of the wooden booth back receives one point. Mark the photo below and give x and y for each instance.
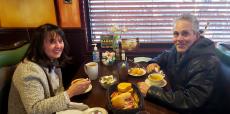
(26, 13)
(69, 13)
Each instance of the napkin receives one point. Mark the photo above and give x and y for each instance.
(74, 108)
(142, 59)
(79, 106)
(87, 111)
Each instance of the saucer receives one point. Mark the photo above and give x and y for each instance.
(88, 89)
(95, 110)
(159, 84)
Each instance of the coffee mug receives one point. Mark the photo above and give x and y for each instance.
(91, 69)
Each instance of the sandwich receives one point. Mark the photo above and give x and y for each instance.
(122, 101)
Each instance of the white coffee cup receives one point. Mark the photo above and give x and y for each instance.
(91, 69)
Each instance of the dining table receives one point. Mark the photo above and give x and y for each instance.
(96, 97)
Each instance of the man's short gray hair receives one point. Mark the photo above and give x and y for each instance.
(190, 18)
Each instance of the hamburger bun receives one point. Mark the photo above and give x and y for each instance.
(79, 80)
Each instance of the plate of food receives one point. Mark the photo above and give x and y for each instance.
(81, 79)
(107, 81)
(124, 98)
(136, 72)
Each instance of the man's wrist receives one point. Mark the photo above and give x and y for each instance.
(69, 93)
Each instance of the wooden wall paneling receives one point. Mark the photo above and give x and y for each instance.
(76, 41)
(11, 37)
(27, 13)
(0, 13)
(69, 13)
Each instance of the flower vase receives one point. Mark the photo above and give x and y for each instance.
(115, 45)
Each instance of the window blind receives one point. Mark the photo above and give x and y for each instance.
(152, 20)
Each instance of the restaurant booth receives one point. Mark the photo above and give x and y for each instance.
(18, 20)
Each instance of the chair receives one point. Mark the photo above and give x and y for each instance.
(223, 52)
(8, 60)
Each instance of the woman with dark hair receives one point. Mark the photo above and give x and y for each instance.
(37, 81)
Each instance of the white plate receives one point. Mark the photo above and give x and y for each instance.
(142, 59)
(88, 89)
(136, 75)
(94, 110)
(72, 111)
(160, 84)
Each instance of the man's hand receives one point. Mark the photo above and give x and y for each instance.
(143, 87)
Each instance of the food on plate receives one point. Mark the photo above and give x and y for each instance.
(124, 87)
(121, 100)
(107, 81)
(136, 71)
(124, 97)
(157, 67)
(153, 67)
(79, 80)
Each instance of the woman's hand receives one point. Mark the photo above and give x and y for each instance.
(153, 67)
(143, 87)
(78, 86)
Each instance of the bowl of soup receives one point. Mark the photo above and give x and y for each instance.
(156, 77)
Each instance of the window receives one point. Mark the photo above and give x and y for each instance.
(151, 20)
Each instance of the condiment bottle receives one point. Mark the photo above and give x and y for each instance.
(123, 55)
(96, 54)
(123, 71)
